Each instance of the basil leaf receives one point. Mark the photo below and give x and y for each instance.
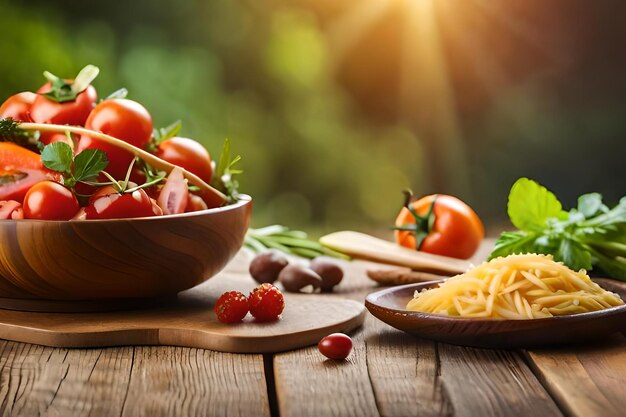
(57, 156)
(573, 254)
(89, 163)
(531, 204)
(590, 204)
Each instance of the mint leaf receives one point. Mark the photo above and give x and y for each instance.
(57, 156)
(573, 254)
(514, 242)
(590, 204)
(89, 163)
(531, 204)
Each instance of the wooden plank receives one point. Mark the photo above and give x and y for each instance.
(154, 381)
(36, 380)
(481, 382)
(195, 382)
(586, 381)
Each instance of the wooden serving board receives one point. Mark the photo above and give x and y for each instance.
(189, 321)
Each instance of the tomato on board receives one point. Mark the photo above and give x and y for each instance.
(75, 112)
(17, 107)
(123, 119)
(187, 153)
(108, 203)
(49, 200)
(447, 227)
(20, 169)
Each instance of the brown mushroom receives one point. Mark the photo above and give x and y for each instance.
(295, 278)
(266, 266)
(330, 272)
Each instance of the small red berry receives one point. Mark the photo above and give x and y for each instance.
(266, 302)
(231, 307)
(335, 346)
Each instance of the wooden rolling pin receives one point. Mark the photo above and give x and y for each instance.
(362, 246)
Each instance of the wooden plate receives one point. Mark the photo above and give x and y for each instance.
(389, 306)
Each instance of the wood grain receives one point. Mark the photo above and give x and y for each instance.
(128, 381)
(122, 258)
(191, 322)
(586, 381)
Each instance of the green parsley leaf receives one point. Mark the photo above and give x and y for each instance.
(531, 204)
(513, 243)
(89, 163)
(57, 156)
(590, 204)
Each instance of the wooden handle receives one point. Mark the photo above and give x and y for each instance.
(211, 193)
(360, 245)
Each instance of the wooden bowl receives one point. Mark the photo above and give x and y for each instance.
(389, 306)
(117, 259)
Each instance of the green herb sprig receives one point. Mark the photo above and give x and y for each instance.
(294, 242)
(84, 167)
(225, 171)
(591, 236)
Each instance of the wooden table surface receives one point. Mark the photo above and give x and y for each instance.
(389, 373)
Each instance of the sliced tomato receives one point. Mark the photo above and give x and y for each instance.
(20, 169)
(195, 203)
(175, 194)
(11, 210)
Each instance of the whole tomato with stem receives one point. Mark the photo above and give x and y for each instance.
(439, 224)
(17, 107)
(121, 118)
(49, 200)
(109, 203)
(187, 153)
(66, 102)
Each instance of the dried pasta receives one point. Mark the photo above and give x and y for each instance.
(516, 287)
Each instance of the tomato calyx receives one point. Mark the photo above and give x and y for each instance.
(62, 91)
(423, 224)
(161, 134)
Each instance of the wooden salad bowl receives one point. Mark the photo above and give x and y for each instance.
(389, 305)
(120, 259)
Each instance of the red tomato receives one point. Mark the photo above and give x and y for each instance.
(49, 200)
(75, 112)
(20, 169)
(107, 203)
(174, 196)
(456, 230)
(195, 203)
(335, 346)
(123, 119)
(50, 137)
(11, 210)
(17, 107)
(189, 154)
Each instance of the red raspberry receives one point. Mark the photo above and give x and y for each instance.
(231, 307)
(266, 302)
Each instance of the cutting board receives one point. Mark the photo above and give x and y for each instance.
(189, 321)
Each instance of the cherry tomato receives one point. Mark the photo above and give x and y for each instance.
(49, 200)
(75, 112)
(20, 169)
(17, 107)
(456, 229)
(174, 196)
(107, 203)
(187, 153)
(123, 119)
(50, 137)
(335, 346)
(195, 203)
(11, 210)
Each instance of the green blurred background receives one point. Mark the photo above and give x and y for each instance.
(338, 105)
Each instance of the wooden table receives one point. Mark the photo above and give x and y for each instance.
(389, 373)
